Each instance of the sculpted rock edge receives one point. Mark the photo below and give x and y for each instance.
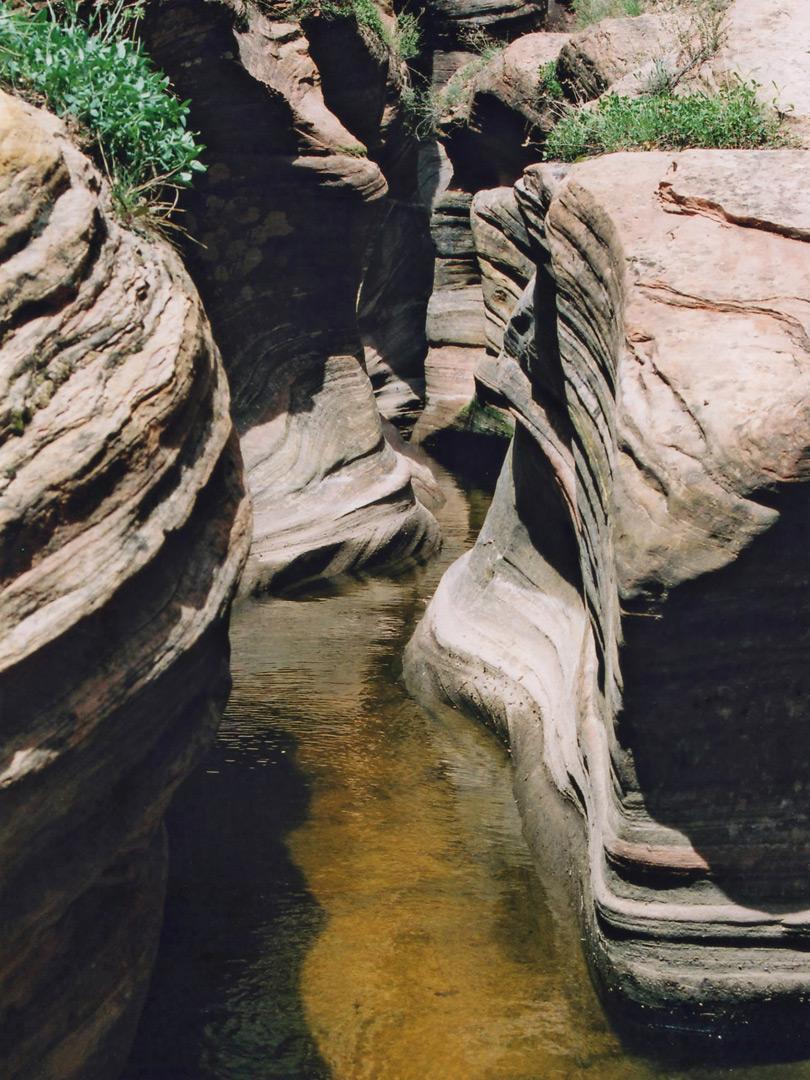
(293, 118)
(124, 525)
(634, 617)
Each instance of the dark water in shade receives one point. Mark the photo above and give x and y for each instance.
(351, 897)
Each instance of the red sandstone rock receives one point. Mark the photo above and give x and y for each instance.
(123, 528)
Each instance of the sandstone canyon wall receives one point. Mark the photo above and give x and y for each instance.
(123, 527)
(634, 615)
(307, 156)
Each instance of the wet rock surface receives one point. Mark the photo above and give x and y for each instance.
(123, 527)
(296, 188)
(632, 616)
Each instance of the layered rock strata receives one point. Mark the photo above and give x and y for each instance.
(302, 127)
(455, 317)
(123, 527)
(455, 21)
(634, 617)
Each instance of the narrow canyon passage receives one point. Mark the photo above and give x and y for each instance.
(351, 897)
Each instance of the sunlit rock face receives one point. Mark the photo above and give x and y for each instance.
(123, 527)
(635, 616)
(302, 127)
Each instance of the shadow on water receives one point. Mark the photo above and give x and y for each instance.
(224, 1001)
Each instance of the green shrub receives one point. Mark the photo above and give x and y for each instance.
(125, 109)
(592, 11)
(730, 119)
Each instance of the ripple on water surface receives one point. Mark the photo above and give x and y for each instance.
(351, 897)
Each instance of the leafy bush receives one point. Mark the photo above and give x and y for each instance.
(730, 119)
(125, 109)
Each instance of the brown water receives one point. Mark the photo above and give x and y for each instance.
(351, 895)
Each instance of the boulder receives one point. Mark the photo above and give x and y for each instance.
(602, 54)
(768, 44)
(300, 123)
(499, 112)
(634, 617)
(123, 527)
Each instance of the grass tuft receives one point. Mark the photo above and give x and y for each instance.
(404, 43)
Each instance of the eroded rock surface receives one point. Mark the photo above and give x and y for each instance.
(504, 253)
(634, 615)
(302, 127)
(498, 125)
(123, 527)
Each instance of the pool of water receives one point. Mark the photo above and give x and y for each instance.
(351, 897)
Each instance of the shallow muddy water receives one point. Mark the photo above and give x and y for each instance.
(351, 897)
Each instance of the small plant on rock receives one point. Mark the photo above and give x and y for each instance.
(550, 86)
(404, 43)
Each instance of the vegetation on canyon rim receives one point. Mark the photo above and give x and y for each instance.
(103, 80)
(591, 11)
(733, 118)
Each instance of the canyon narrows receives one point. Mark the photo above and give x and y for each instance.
(389, 263)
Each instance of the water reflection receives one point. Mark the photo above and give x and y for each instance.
(351, 896)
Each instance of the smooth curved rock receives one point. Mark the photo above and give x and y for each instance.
(123, 527)
(392, 311)
(286, 214)
(634, 615)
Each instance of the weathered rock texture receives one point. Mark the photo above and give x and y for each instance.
(455, 317)
(454, 20)
(123, 527)
(504, 252)
(602, 54)
(392, 309)
(635, 614)
(499, 114)
(768, 44)
(286, 213)
(482, 265)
